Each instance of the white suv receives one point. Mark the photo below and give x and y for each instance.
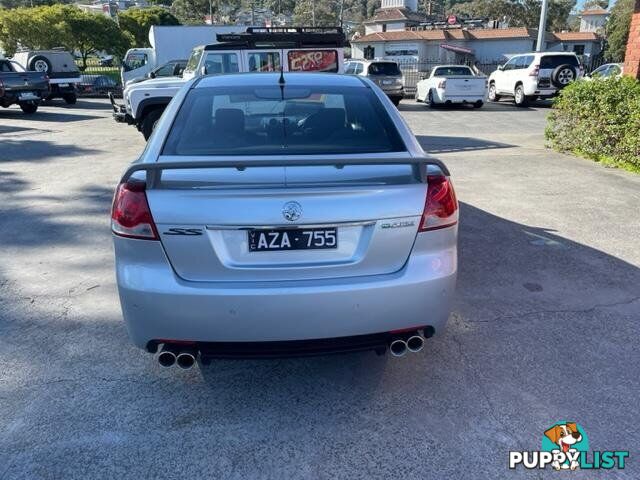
(530, 76)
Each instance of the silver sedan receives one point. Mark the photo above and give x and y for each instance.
(288, 214)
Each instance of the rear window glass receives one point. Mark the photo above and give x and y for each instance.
(386, 68)
(452, 71)
(553, 61)
(291, 121)
(313, 60)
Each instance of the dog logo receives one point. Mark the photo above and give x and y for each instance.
(566, 438)
(565, 446)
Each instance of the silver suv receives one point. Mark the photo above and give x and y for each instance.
(384, 73)
(276, 214)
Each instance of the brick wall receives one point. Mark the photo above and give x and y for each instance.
(632, 57)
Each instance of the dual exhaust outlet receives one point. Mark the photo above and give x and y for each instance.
(400, 346)
(184, 359)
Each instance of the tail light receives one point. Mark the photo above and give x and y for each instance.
(442, 84)
(535, 71)
(441, 205)
(130, 214)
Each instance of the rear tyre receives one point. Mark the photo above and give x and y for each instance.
(432, 104)
(29, 108)
(493, 95)
(478, 104)
(519, 97)
(70, 98)
(149, 123)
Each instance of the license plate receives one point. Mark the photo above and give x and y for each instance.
(268, 240)
(63, 84)
(28, 96)
(387, 82)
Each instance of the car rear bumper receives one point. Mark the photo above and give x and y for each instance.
(470, 99)
(157, 304)
(120, 114)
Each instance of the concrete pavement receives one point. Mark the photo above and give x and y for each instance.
(545, 328)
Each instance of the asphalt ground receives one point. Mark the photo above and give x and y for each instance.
(545, 326)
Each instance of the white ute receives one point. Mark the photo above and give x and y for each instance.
(449, 84)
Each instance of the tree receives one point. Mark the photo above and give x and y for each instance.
(60, 26)
(618, 30)
(595, 4)
(29, 3)
(192, 11)
(137, 22)
(90, 33)
(317, 13)
(519, 13)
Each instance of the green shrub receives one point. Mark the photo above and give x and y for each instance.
(599, 120)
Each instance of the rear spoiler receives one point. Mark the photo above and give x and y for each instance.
(154, 170)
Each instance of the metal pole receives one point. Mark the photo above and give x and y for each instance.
(542, 27)
(210, 12)
(313, 13)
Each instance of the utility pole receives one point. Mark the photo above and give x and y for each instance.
(313, 13)
(542, 27)
(210, 12)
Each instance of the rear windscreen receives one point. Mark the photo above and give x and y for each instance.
(553, 61)
(288, 120)
(452, 71)
(385, 68)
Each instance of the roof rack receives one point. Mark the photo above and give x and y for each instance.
(283, 37)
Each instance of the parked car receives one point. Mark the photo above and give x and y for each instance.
(215, 257)
(101, 85)
(530, 76)
(17, 86)
(259, 49)
(59, 66)
(384, 73)
(607, 70)
(449, 84)
(106, 61)
(174, 68)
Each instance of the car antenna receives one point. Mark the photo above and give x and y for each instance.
(281, 82)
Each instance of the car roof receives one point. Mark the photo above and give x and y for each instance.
(451, 65)
(305, 79)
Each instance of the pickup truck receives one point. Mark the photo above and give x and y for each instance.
(19, 86)
(449, 84)
(259, 49)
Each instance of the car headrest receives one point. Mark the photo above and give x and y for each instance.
(230, 120)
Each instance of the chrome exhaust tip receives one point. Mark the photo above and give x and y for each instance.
(398, 348)
(415, 343)
(185, 360)
(166, 358)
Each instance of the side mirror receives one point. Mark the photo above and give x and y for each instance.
(203, 70)
(152, 74)
(501, 67)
